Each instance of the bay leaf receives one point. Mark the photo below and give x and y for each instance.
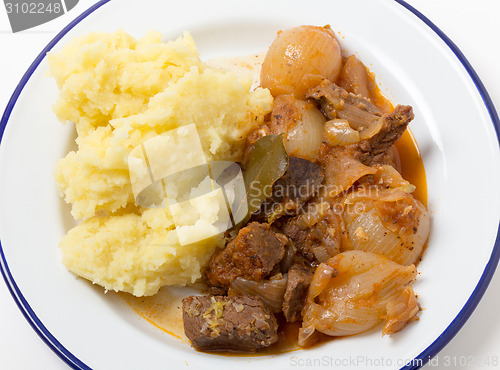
(267, 163)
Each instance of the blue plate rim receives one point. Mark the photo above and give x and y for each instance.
(416, 363)
(488, 272)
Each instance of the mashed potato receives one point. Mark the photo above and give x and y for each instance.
(120, 92)
(140, 253)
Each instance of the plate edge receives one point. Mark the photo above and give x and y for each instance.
(466, 311)
(432, 350)
(30, 316)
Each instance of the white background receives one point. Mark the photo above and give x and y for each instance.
(473, 25)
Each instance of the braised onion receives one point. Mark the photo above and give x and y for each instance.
(299, 58)
(271, 292)
(389, 222)
(355, 78)
(301, 123)
(305, 136)
(339, 132)
(342, 171)
(401, 310)
(352, 292)
(389, 177)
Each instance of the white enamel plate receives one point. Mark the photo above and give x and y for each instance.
(415, 64)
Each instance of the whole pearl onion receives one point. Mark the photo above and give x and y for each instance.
(299, 58)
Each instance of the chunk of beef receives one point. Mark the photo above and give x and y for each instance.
(253, 254)
(228, 323)
(297, 232)
(316, 234)
(374, 149)
(361, 114)
(296, 187)
(299, 183)
(338, 103)
(299, 279)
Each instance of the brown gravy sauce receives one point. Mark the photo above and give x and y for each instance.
(164, 310)
(412, 166)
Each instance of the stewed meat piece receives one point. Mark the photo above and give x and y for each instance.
(336, 102)
(299, 278)
(384, 129)
(316, 234)
(252, 255)
(374, 149)
(301, 181)
(228, 323)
